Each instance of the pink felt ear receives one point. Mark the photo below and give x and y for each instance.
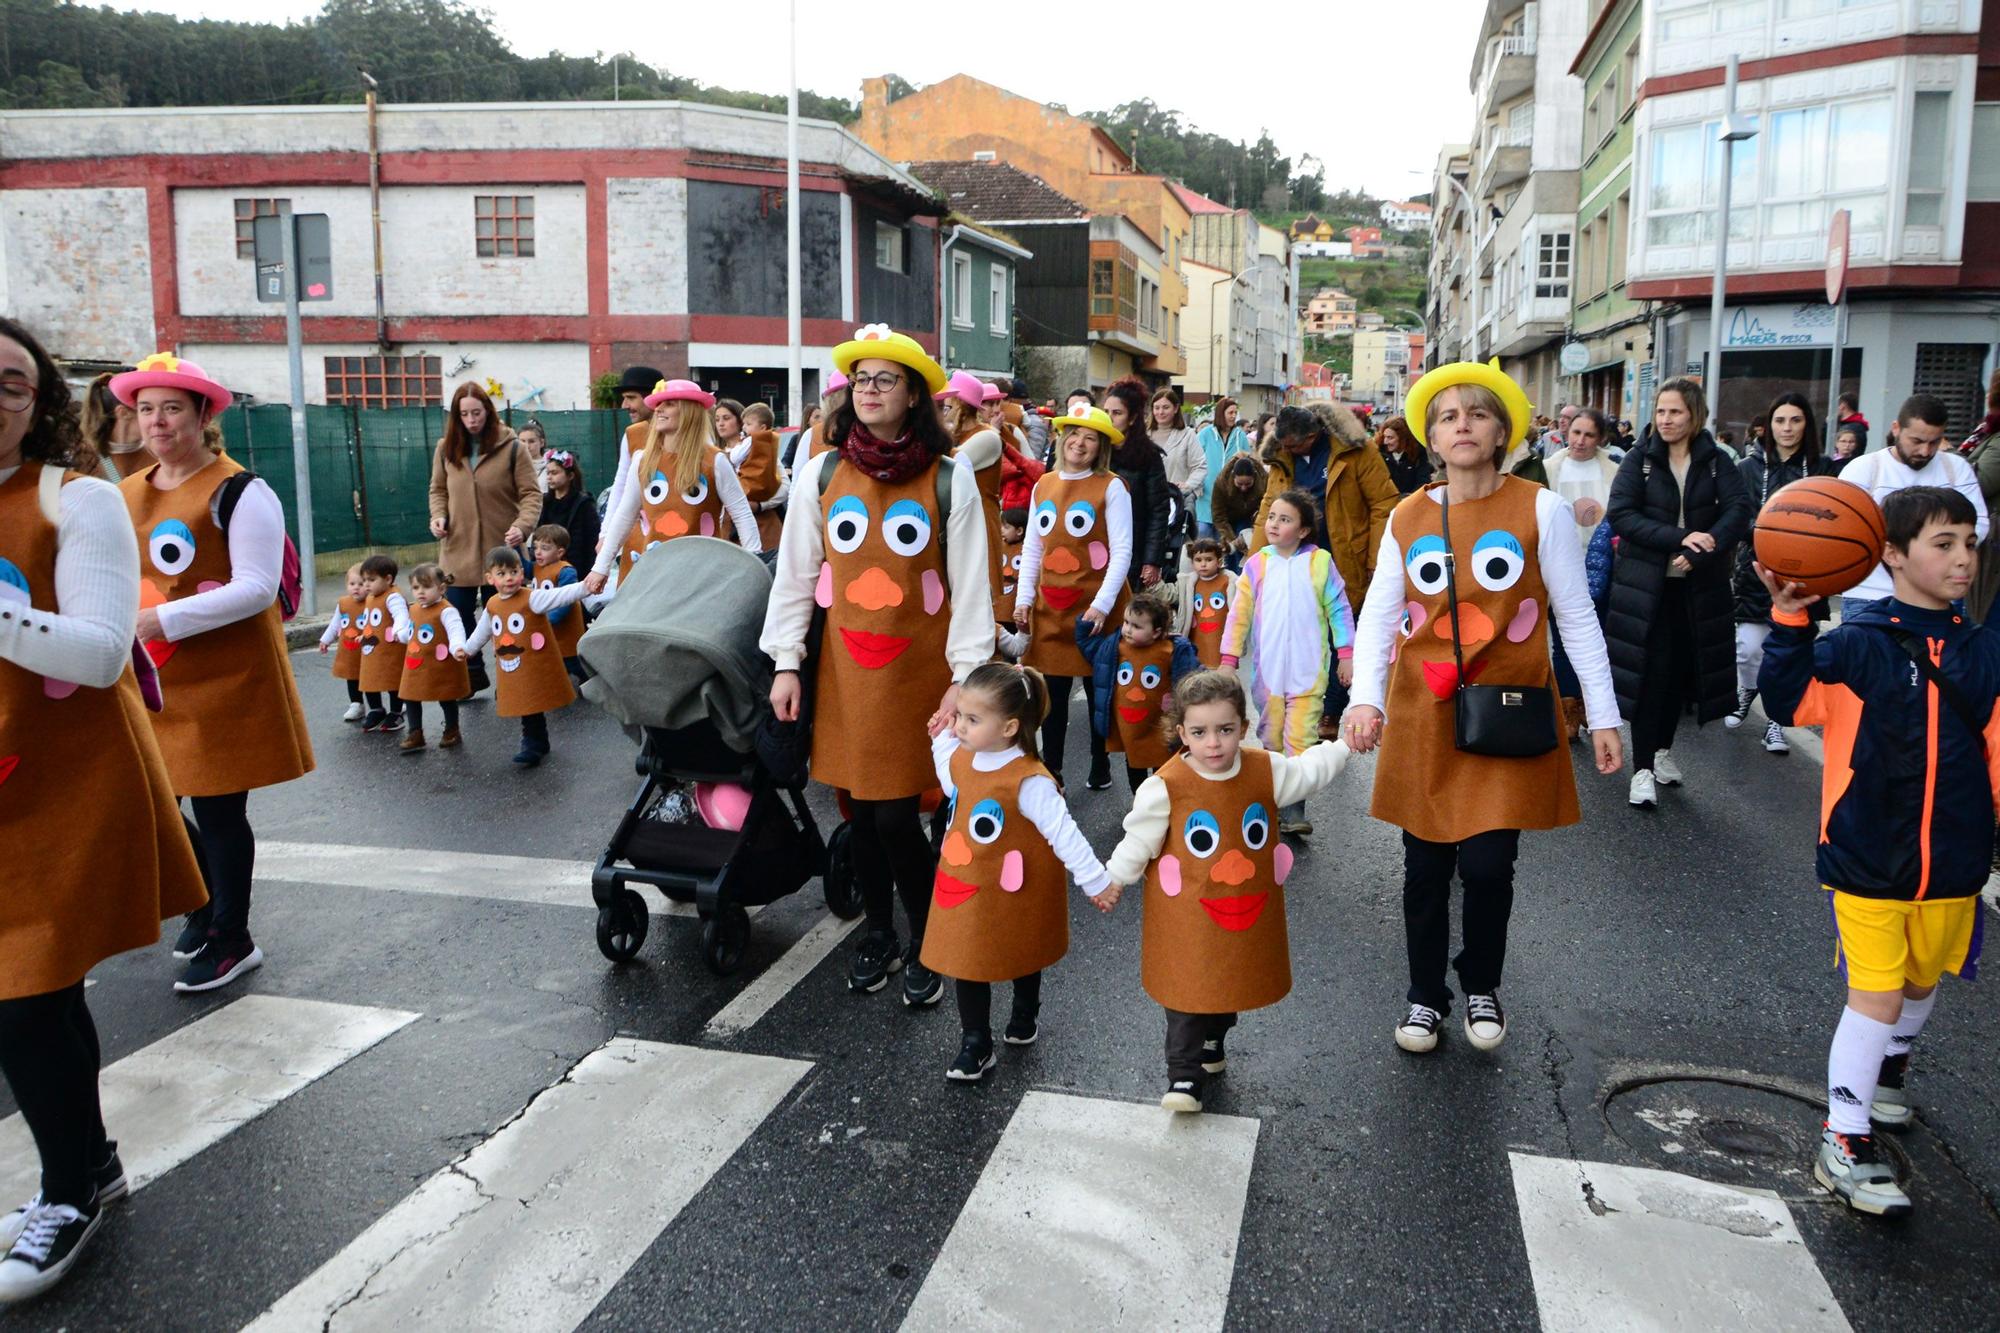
(1524, 621)
(207, 585)
(823, 590)
(1013, 871)
(58, 689)
(1418, 615)
(536, 641)
(1100, 555)
(1170, 875)
(1283, 862)
(443, 652)
(933, 592)
(708, 525)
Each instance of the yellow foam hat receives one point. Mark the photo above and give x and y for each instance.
(1488, 376)
(881, 343)
(1097, 419)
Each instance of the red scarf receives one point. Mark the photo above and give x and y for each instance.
(890, 463)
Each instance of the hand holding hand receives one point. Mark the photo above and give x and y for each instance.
(785, 696)
(1698, 541)
(946, 714)
(515, 536)
(322, 648)
(1610, 750)
(595, 582)
(1021, 616)
(1149, 575)
(1344, 671)
(1108, 899)
(1361, 728)
(459, 654)
(148, 629)
(1786, 598)
(1095, 619)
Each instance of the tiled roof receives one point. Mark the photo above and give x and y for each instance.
(1196, 203)
(996, 192)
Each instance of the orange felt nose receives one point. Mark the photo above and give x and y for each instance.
(670, 524)
(506, 641)
(956, 851)
(1474, 625)
(1136, 695)
(1234, 868)
(1061, 560)
(874, 590)
(150, 595)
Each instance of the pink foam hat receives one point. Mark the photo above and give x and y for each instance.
(835, 383)
(964, 386)
(164, 370)
(679, 391)
(992, 392)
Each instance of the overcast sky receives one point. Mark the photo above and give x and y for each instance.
(1370, 90)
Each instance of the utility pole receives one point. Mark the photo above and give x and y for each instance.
(301, 463)
(794, 318)
(1727, 134)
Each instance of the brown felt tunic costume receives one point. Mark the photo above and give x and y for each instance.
(1207, 617)
(347, 643)
(569, 630)
(999, 908)
(760, 476)
(430, 673)
(666, 513)
(381, 656)
(232, 720)
(882, 666)
(1072, 570)
(1213, 938)
(536, 681)
(1138, 697)
(97, 855)
(1010, 578)
(988, 481)
(1424, 783)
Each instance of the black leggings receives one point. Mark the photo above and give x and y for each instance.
(227, 850)
(413, 714)
(975, 1002)
(1485, 865)
(384, 701)
(354, 691)
(1669, 678)
(1055, 727)
(467, 601)
(49, 1054)
(892, 852)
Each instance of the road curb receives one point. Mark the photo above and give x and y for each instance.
(305, 631)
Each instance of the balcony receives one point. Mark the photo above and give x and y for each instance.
(1508, 72)
(1505, 160)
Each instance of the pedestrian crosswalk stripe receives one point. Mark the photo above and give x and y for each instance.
(1096, 1214)
(192, 1088)
(755, 1000)
(530, 1229)
(1630, 1247)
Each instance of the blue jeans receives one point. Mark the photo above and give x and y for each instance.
(1205, 530)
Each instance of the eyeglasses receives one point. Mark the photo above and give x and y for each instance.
(15, 395)
(880, 382)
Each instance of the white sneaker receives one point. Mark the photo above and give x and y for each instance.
(1418, 1032)
(1774, 739)
(1645, 793)
(1485, 1024)
(353, 713)
(1665, 769)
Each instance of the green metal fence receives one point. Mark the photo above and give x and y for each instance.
(371, 467)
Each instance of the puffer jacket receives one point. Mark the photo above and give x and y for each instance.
(1236, 512)
(1360, 495)
(1764, 475)
(1143, 468)
(1645, 513)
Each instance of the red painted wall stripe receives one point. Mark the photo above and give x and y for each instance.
(1944, 44)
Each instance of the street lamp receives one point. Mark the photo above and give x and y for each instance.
(1213, 336)
(1733, 130)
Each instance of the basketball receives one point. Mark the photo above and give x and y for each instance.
(1821, 533)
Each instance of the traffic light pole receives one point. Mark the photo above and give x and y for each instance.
(301, 464)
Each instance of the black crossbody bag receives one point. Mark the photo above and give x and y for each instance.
(1499, 721)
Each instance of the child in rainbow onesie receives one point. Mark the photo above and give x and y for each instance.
(1290, 617)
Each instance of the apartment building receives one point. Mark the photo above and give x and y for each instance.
(1330, 313)
(1615, 328)
(1409, 215)
(1242, 321)
(1381, 371)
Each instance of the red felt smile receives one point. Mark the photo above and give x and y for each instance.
(8, 763)
(160, 650)
(1208, 626)
(871, 650)
(1442, 677)
(1133, 715)
(1062, 599)
(412, 663)
(951, 892)
(1238, 913)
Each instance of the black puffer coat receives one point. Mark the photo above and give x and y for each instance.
(1143, 468)
(1645, 513)
(1764, 475)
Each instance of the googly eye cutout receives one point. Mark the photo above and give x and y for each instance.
(1201, 834)
(1408, 627)
(1080, 518)
(1216, 601)
(1014, 563)
(1045, 517)
(499, 625)
(986, 822)
(1124, 673)
(1149, 678)
(1256, 826)
(697, 493)
(516, 623)
(1426, 566)
(426, 634)
(13, 584)
(375, 617)
(546, 583)
(846, 524)
(1498, 560)
(658, 489)
(906, 527)
(170, 546)
(341, 621)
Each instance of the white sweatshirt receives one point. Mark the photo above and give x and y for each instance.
(1882, 474)
(256, 559)
(454, 628)
(1292, 780)
(1118, 522)
(87, 640)
(624, 514)
(1040, 802)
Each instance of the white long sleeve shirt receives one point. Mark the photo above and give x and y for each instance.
(618, 521)
(541, 601)
(1041, 803)
(1561, 557)
(1292, 780)
(802, 550)
(454, 628)
(1118, 525)
(87, 640)
(256, 559)
(1882, 474)
(740, 451)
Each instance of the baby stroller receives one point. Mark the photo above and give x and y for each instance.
(675, 658)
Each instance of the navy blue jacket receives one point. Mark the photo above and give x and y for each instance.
(1101, 651)
(1907, 795)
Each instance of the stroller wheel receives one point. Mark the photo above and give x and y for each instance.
(621, 927)
(843, 895)
(723, 937)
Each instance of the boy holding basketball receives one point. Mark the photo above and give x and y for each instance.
(1905, 688)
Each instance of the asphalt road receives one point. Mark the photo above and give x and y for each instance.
(1669, 990)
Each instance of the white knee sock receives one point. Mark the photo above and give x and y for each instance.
(1853, 1066)
(1915, 1013)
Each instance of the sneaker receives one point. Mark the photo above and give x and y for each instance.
(1213, 1061)
(874, 959)
(1184, 1096)
(1851, 1168)
(1418, 1032)
(1665, 769)
(51, 1240)
(1022, 1031)
(1891, 1108)
(393, 722)
(450, 739)
(413, 743)
(975, 1059)
(1735, 719)
(1100, 774)
(354, 712)
(194, 934)
(1485, 1025)
(372, 720)
(1644, 793)
(1774, 739)
(109, 1177)
(222, 962)
(528, 756)
(922, 987)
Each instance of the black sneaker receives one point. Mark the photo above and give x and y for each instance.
(391, 722)
(194, 934)
(1418, 1032)
(1742, 709)
(528, 756)
(975, 1058)
(223, 961)
(1021, 1030)
(1485, 1024)
(1183, 1095)
(372, 720)
(52, 1239)
(875, 958)
(1100, 773)
(921, 986)
(109, 1177)
(1213, 1061)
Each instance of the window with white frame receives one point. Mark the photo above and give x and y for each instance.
(1552, 266)
(1705, 17)
(1930, 144)
(996, 299)
(1984, 186)
(961, 291)
(1824, 158)
(1686, 177)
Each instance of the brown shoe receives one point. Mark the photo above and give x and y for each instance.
(412, 743)
(1329, 728)
(1574, 721)
(450, 739)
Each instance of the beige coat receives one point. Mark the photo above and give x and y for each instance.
(480, 503)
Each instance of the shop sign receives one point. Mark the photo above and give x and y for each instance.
(1806, 325)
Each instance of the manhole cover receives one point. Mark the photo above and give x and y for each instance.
(1728, 1129)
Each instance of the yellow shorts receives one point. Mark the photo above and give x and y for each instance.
(1886, 942)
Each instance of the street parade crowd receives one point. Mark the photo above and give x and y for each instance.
(1243, 607)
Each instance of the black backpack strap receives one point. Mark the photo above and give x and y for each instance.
(1954, 697)
(226, 498)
